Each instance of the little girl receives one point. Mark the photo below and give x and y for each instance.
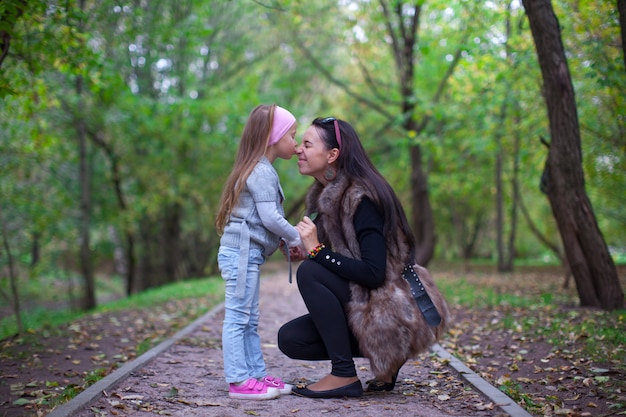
(251, 223)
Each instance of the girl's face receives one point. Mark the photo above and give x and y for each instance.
(285, 148)
(313, 156)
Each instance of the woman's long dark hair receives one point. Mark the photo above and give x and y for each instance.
(354, 163)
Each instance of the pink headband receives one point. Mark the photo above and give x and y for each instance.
(283, 120)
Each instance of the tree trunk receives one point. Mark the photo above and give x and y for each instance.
(10, 16)
(500, 187)
(15, 296)
(512, 253)
(86, 263)
(35, 250)
(621, 7)
(171, 243)
(84, 173)
(554, 247)
(593, 268)
(403, 33)
(422, 212)
(116, 178)
(131, 262)
(505, 251)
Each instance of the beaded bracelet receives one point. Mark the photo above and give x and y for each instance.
(313, 252)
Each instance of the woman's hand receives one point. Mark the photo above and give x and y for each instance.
(308, 233)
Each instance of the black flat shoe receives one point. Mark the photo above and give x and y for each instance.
(374, 385)
(354, 389)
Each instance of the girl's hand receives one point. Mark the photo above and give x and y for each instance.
(283, 247)
(293, 253)
(296, 253)
(308, 233)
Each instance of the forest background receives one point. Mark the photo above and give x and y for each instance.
(120, 120)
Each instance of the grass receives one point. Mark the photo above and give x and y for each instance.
(176, 291)
(45, 318)
(532, 304)
(535, 304)
(516, 392)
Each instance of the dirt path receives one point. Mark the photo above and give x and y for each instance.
(187, 378)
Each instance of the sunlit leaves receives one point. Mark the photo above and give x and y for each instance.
(168, 86)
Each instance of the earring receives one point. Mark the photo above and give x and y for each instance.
(330, 173)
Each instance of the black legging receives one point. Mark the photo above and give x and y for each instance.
(323, 333)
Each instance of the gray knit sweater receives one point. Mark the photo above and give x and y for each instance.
(262, 186)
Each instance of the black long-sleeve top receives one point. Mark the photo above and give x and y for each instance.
(369, 271)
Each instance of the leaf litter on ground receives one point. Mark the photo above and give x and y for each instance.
(521, 332)
(549, 355)
(42, 369)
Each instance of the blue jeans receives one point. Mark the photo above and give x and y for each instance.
(241, 344)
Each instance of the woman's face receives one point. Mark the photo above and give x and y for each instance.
(313, 157)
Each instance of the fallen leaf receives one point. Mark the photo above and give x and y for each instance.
(173, 392)
(17, 387)
(132, 397)
(483, 406)
(184, 401)
(208, 404)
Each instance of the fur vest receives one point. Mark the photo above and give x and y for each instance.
(386, 321)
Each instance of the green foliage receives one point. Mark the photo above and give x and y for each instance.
(95, 376)
(145, 345)
(516, 392)
(69, 391)
(164, 90)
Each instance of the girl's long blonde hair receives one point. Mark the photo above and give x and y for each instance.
(252, 147)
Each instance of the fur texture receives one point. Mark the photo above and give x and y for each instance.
(386, 321)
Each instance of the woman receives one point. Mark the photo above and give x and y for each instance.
(358, 242)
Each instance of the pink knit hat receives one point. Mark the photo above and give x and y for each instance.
(283, 120)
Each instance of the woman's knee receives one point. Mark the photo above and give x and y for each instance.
(309, 272)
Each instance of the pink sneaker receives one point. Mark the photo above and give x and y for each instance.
(251, 389)
(277, 383)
